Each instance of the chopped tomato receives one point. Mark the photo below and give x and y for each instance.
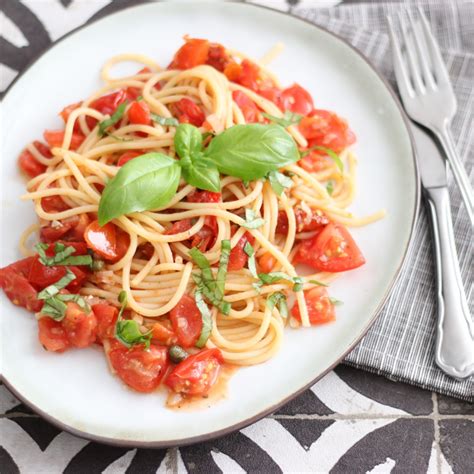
(332, 250)
(325, 128)
(55, 138)
(187, 321)
(205, 238)
(52, 335)
(14, 281)
(108, 241)
(304, 223)
(80, 327)
(107, 104)
(106, 316)
(140, 368)
(246, 105)
(246, 74)
(179, 226)
(66, 112)
(238, 258)
(163, 335)
(196, 374)
(313, 162)
(80, 248)
(204, 196)
(30, 165)
(297, 100)
(187, 111)
(127, 156)
(71, 228)
(320, 308)
(266, 262)
(80, 275)
(54, 204)
(139, 113)
(217, 57)
(193, 53)
(273, 94)
(76, 233)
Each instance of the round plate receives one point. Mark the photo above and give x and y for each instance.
(75, 390)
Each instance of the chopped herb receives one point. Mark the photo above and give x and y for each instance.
(273, 277)
(289, 118)
(279, 182)
(246, 184)
(63, 255)
(206, 319)
(278, 299)
(55, 308)
(252, 220)
(139, 98)
(114, 118)
(55, 288)
(316, 282)
(164, 121)
(249, 250)
(177, 354)
(330, 188)
(222, 270)
(335, 301)
(122, 298)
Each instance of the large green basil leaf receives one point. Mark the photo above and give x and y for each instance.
(203, 174)
(144, 183)
(187, 140)
(250, 151)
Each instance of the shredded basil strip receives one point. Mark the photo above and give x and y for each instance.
(63, 255)
(210, 295)
(249, 250)
(55, 308)
(278, 181)
(252, 220)
(54, 289)
(203, 263)
(206, 319)
(335, 301)
(278, 299)
(289, 118)
(273, 277)
(222, 270)
(114, 118)
(330, 188)
(316, 282)
(164, 121)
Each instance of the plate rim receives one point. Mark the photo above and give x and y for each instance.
(247, 421)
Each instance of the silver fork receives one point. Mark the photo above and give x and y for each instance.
(426, 91)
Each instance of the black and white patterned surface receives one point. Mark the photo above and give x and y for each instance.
(350, 421)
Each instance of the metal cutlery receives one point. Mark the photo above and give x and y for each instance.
(426, 91)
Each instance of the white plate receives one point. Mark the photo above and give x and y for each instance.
(75, 390)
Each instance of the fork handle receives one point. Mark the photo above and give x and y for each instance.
(454, 351)
(460, 175)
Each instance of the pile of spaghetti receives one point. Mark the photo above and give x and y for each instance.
(173, 208)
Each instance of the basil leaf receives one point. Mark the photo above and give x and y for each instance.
(252, 220)
(145, 183)
(331, 153)
(289, 118)
(55, 308)
(316, 282)
(122, 297)
(203, 263)
(210, 295)
(278, 181)
(249, 250)
(278, 299)
(203, 174)
(127, 331)
(164, 121)
(222, 270)
(250, 151)
(330, 188)
(54, 289)
(335, 301)
(114, 118)
(76, 299)
(298, 283)
(63, 256)
(206, 320)
(274, 277)
(187, 140)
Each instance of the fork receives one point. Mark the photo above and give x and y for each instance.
(426, 91)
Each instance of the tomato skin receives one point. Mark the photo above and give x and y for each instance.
(14, 281)
(106, 105)
(325, 128)
(139, 113)
(41, 276)
(205, 238)
(246, 74)
(108, 241)
(217, 57)
(139, 368)
(196, 374)
(193, 53)
(79, 327)
(320, 308)
(303, 224)
(204, 196)
(53, 204)
(179, 226)
(55, 138)
(247, 106)
(187, 321)
(52, 335)
(163, 335)
(106, 316)
(29, 165)
(127, 156)
(296, 99)
(238, 258)
(187, 111)
(266, 262)
(332, 250)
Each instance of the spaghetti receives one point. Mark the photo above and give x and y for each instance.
(208, 269)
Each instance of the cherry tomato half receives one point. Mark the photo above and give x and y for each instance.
(108, 241)
(238, 258)
(187, 321)
(187, 111)
(296, 99)
(320, 308)
(193, 53)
